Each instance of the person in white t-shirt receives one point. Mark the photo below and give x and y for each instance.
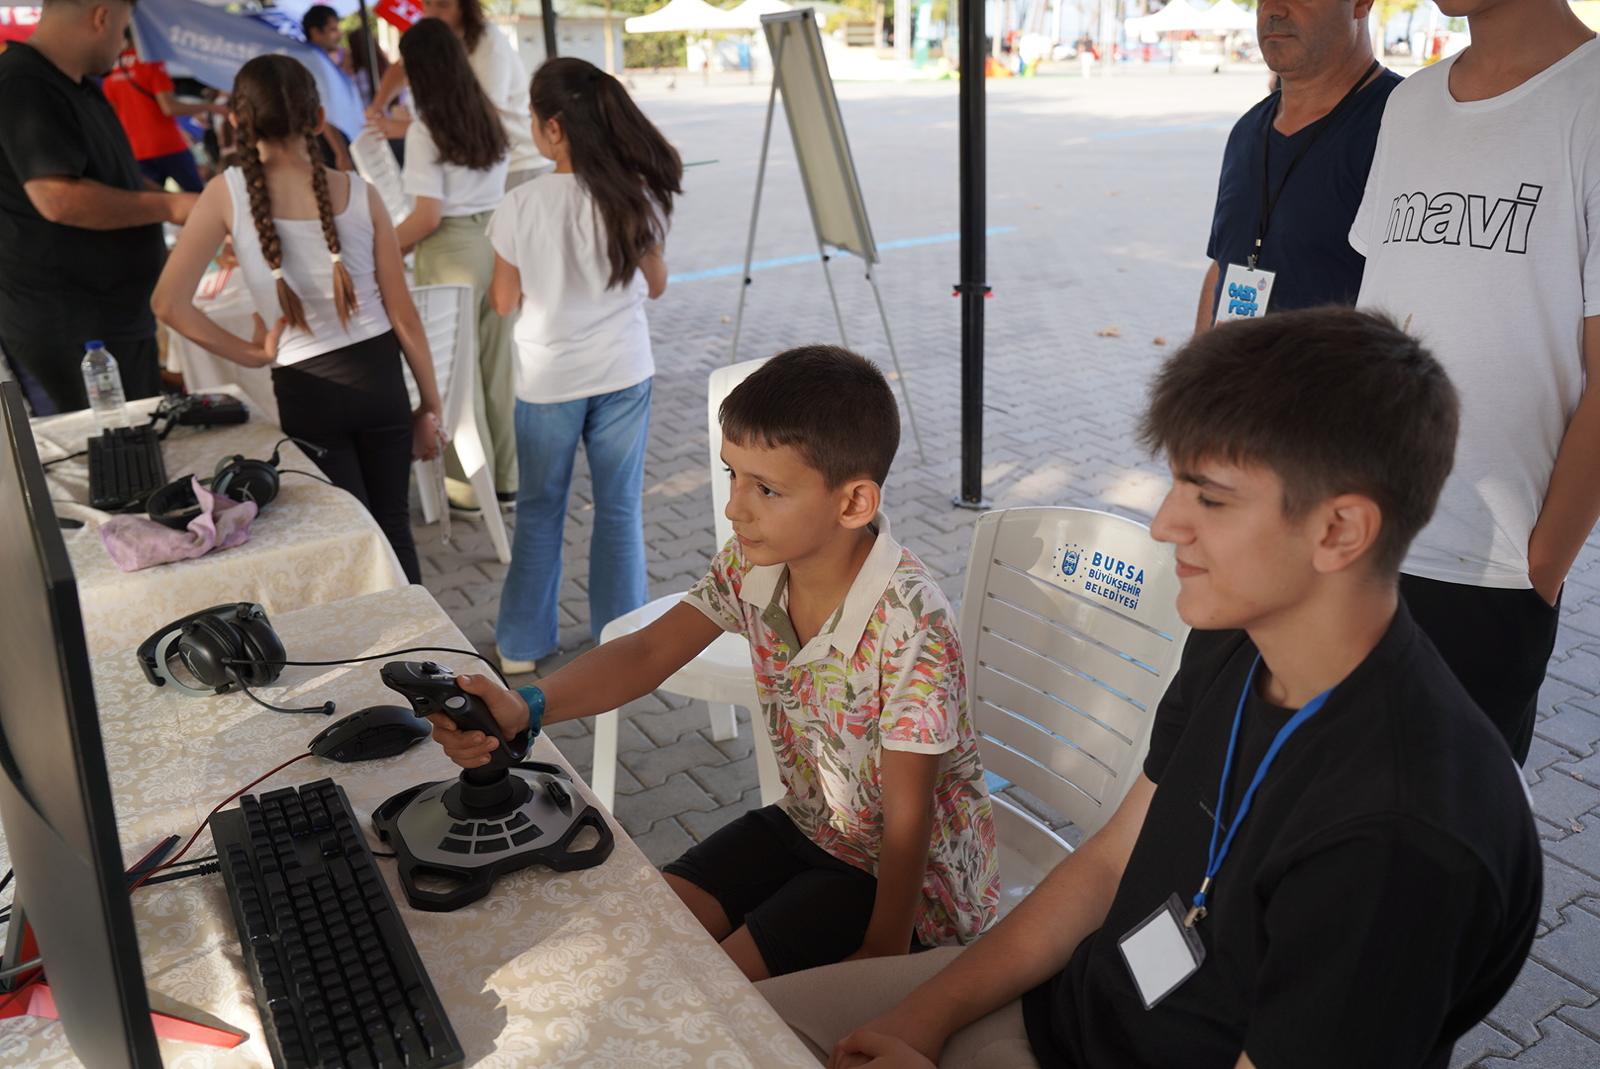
(456, 171)
(1481, 229)
(500, 71)
(579, 251)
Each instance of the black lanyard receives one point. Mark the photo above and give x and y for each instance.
(1269, 199)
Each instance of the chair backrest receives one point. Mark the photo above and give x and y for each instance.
(449, 318)
(1071, 634)
(718, 387)
(375, 162)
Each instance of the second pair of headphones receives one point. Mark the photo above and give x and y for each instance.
(223, 648)
(237, 477)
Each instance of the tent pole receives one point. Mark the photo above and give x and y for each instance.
(547, 19)
(972, 288)
(370, 59)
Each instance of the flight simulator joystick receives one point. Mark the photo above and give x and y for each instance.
(497, 818)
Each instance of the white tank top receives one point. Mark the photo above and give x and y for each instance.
(308, 268)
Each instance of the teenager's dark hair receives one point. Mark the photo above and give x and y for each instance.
(630, 170)
(473, 23)
(356, 40)
(831, 405)
(275, 99)
(453, 106)
(1332, 400)
(317, 16)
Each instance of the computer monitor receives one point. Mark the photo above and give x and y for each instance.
(55, 796)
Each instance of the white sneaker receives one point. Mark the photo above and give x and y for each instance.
(513, 667)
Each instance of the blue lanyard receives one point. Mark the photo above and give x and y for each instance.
(1216, 854)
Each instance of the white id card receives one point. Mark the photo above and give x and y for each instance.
(1161, 953)
(1245, 291)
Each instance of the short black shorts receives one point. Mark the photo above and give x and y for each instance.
(803, 906)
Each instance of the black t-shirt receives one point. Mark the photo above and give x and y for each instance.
(63, 285)
(1378, 899)
(1308, 242)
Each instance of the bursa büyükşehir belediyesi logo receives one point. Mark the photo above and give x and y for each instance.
(1069, 559)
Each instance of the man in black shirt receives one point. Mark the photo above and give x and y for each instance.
(1296, 164)
(1329, 860)
(80, 233)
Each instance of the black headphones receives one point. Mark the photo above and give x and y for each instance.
(223, 648)
(237, 477)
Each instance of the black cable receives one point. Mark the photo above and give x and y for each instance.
(207, 869)
(325, 709)
(63, 460)
(307, 474)
(378, 657)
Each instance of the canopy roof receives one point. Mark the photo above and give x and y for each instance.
(686, 16)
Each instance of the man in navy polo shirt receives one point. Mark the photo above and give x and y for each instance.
(1296, 165)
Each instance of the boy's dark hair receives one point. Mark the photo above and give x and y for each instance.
(831, 405)
(316, 17)
(1332, 400)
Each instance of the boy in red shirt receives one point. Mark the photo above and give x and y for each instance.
(142, 95)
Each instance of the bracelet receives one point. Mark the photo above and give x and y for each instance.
(535, 699)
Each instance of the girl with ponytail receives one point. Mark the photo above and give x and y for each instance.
(578, 251)
(455, 170)
(320, 260)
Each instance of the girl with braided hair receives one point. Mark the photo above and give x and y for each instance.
(455, 170)
(320, 259)
(577, 253)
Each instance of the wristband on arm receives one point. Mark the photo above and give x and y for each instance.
(535, 699)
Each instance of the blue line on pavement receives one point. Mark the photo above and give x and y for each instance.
(811, 257)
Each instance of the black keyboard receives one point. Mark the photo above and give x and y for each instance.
(336, 976)
(125, 467)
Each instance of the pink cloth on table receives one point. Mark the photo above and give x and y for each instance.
(135, 542)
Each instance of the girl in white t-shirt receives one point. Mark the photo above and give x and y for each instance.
(456, 170)
(499, 70)
(579, 251)
(321, 263)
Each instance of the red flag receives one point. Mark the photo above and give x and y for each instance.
(17, 23)
(399, 13)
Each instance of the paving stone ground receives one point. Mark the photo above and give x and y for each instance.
(1099, 197)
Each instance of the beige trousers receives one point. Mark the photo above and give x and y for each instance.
(822, 1006)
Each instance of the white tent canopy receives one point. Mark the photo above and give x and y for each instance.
(750, 12)
(1180, 16)
(686, 16)
(1226, 16)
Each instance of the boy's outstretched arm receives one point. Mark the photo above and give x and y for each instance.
(903, 858)
(607, 677)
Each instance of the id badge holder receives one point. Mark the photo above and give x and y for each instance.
(1245, 292)
(1161, 953)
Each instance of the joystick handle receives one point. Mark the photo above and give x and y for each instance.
(432, 688)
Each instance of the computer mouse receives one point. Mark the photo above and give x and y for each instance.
(373, 732)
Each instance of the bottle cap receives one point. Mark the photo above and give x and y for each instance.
(95, 345)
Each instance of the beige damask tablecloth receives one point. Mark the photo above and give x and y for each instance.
(600, 969)
(313, 544)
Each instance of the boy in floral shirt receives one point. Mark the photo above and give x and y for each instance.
(884, 840)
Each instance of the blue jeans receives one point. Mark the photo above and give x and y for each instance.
(613, 428)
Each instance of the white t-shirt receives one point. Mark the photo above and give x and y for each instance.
(575, 337)
(460, 190)
(505, 80)
(1481, 223)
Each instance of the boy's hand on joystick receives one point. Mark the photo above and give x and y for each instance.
(471, 749)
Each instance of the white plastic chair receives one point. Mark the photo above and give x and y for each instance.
(1071, 633)
(450, 318)
(375, 162)
(722, 675)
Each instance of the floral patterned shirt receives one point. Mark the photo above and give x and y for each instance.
(885, 672)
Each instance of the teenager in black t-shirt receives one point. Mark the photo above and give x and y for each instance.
(80, 233)
(1379, 889)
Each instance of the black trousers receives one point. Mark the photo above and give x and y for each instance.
(51, 372)
(1497, 642)
(352, 403)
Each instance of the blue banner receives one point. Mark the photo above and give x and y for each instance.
(211, 45)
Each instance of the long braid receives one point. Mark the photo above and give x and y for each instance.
(255, 181)
(344, 287)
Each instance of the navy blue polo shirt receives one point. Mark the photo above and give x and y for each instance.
(1308, 242)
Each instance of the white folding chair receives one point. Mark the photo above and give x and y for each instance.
(722, 675)
(450, 318)
(1070, 629)
(375, 162)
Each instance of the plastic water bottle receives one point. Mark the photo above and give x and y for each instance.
(103, 381)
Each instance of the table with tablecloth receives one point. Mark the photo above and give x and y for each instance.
(313, 544)
(601, 967)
